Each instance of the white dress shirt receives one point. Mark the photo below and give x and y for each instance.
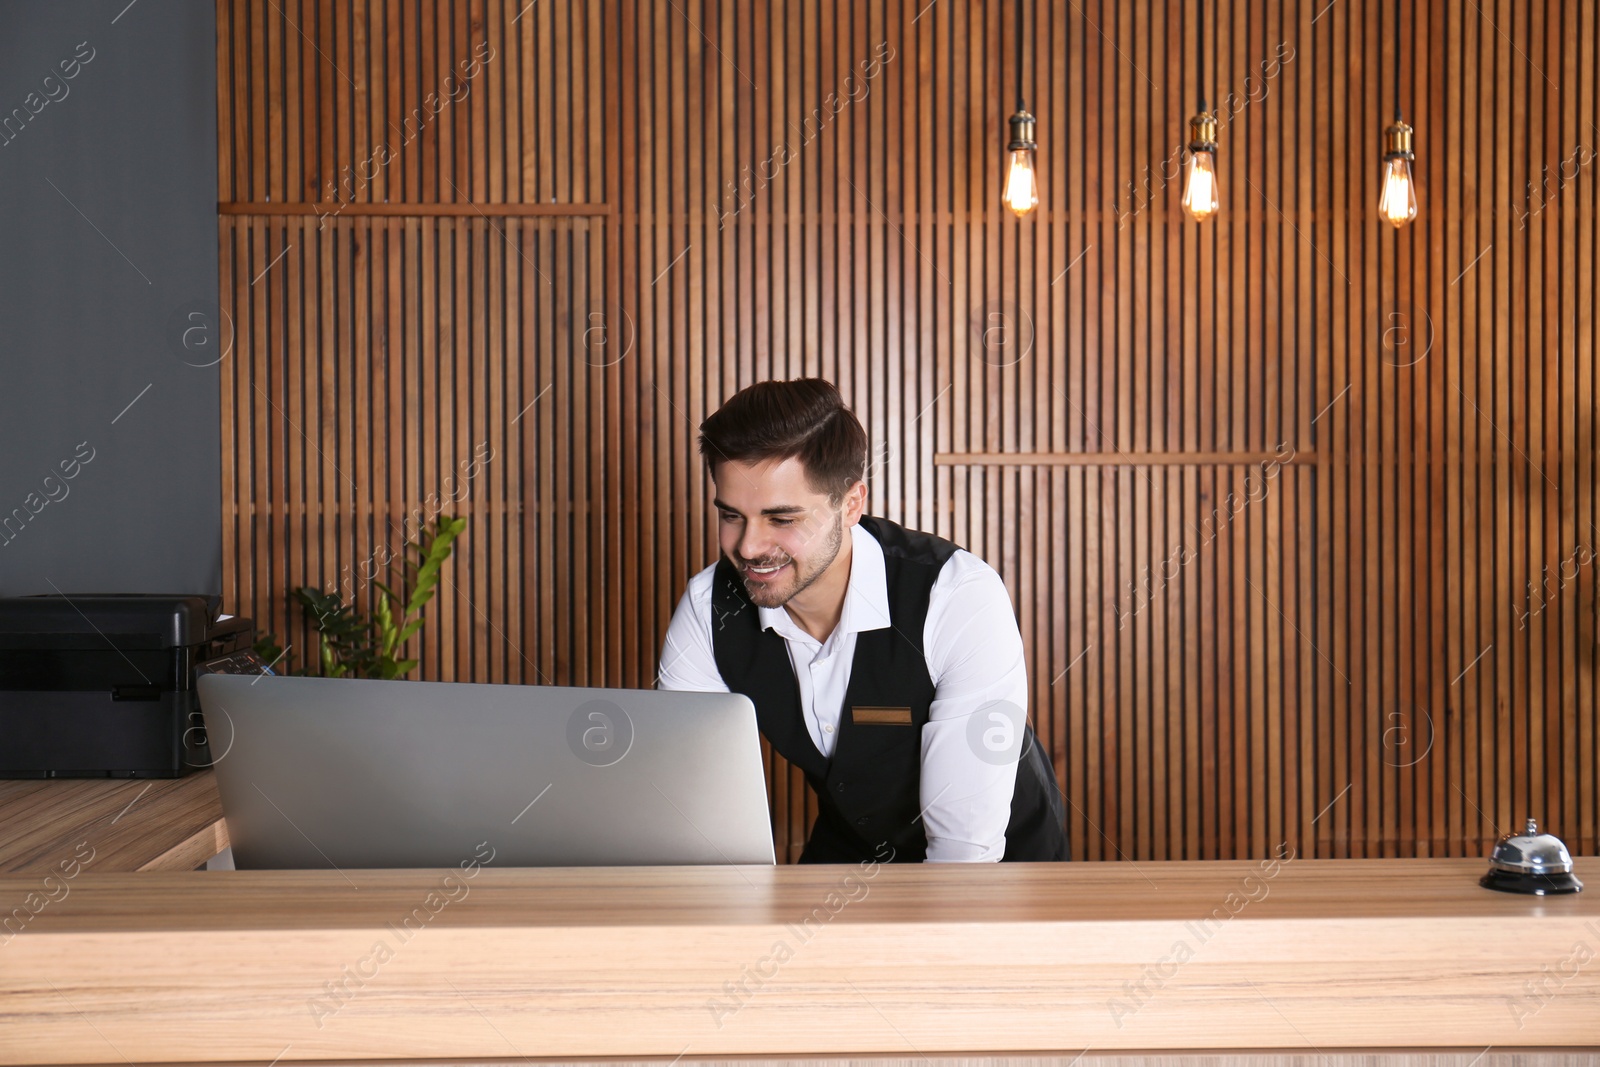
(974, 653)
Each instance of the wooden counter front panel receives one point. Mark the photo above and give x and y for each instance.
(703, 961)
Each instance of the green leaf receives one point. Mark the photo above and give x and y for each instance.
(353, 644)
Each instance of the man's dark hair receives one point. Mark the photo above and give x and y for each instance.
(804, 417)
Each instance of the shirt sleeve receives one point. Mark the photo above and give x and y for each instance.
(975, 658)
(687, 659)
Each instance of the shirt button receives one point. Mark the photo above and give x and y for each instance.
(828, 729)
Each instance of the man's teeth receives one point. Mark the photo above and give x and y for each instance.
(765, 570)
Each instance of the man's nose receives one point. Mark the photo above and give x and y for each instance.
(754, 543)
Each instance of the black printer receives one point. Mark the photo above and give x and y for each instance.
(103, 686)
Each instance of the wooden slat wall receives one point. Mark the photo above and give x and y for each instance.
(641, 206)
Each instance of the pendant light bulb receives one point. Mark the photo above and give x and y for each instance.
(1398, 201)
(1200, 187)
(1022, 183)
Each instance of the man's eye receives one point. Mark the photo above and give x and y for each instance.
(783, 522)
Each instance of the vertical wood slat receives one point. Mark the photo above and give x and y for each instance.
(1341, 666)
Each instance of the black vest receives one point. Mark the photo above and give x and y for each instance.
(868, 792)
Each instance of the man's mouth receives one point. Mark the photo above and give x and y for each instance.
(762, 574)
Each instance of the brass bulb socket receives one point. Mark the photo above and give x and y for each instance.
(1203, 132)
(1397, 142)
(1022, 127)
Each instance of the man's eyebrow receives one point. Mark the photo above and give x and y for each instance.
(781, 509)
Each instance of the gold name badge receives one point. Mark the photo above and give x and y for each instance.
(881, 716)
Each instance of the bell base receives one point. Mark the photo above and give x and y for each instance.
(1535, 884)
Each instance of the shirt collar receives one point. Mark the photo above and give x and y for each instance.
(866, 599)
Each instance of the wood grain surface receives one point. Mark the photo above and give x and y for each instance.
(883, 960)
(156, 824)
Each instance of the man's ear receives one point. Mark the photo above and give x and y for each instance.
(855, 503)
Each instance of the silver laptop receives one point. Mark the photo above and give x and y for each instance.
(341, 772)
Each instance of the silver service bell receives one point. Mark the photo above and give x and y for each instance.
(1531, 862)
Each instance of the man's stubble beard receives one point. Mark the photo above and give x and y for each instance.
(776, 598)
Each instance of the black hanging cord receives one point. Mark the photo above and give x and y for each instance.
(1200, 52)
(1021, 106)
(1397, 61)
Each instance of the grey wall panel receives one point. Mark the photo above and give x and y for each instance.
(109, 332)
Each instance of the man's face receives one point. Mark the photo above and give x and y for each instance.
(778, 533)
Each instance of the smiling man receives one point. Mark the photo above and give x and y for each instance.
(885, 663)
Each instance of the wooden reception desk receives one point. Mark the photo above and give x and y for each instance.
(906, 964)
(126, 824)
